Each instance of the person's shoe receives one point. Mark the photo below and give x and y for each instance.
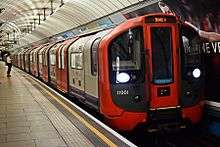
(8, 75)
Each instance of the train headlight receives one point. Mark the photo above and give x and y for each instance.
(196, 73)
(122, 77)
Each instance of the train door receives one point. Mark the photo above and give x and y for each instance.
(36, 67)
(46, 70)
(91, 68)
(76, 67)
(22, 59)
(31, 61)
(62, 70)
(19, 61)
(52, 65)
(64, 67)
(160, 42)
(59, 67)
(26, 61)
(91, 76)
(40, 61)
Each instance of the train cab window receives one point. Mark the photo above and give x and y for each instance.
(125, 50)
(76, 60)
(161, 55)
(52, 59)
(94, 50)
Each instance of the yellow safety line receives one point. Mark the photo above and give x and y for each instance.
(88, 125)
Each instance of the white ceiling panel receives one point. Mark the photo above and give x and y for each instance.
(24, 14)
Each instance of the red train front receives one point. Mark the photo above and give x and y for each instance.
(150, 72)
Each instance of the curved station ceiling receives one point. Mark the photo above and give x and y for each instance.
(28, 21)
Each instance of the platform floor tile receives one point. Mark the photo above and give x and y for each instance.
(29, 119)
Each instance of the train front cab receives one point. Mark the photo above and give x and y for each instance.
(141, 83)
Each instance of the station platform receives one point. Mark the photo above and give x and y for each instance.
(32, 115)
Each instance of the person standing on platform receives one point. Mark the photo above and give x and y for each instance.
(9, 64)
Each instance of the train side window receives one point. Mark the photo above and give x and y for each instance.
(94, 60)
(35, 55)
(76, 60)
(40, 59)
(72, 60)
(44, 61)
(62, 57)
(59, 57)
(31, 58)
(52, 59)
(46, 57)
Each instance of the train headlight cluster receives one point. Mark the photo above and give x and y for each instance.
(196, 73)
(122, 77)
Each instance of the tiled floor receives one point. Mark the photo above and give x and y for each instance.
(28, 119)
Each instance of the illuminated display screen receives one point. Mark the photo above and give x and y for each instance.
(160, 19)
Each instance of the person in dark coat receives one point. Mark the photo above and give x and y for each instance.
(9, 64)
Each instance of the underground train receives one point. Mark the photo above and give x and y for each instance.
(147, 70)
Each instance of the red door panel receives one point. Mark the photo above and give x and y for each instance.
(163, 69)
(62, 76)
